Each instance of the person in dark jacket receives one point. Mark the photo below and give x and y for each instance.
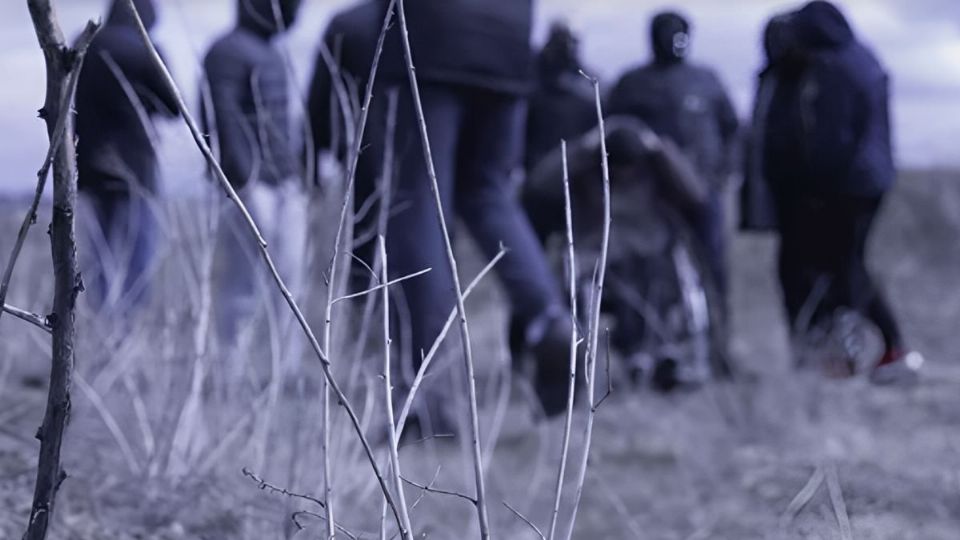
(828, 156)
(474, 64)
(687, 104)
(350, 41)
(119, 93)
(248, 94)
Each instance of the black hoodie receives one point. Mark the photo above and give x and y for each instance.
(845, 133)
(249, 92)
(118, 93)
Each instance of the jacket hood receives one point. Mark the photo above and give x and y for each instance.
(669, 37)
(561, 53)
(120, 14)
(821, 25)
(258, 15)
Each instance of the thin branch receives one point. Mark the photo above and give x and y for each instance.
(839, 505)
(525, 520)
(593, 332)
(429, 489)
(406, 530)
(803, 497)
(609, 391)
(482, 518)
(381, 287)
(65, 110)
(42, 323)
(268, 260)
(300, 526)
(263, 485)
(423, 493)
(431, 354)
(572, 286)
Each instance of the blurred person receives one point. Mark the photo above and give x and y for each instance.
(119, 94)
(689, 105)
(474, 64)
(828, 156)
(249, 96)
(350, 40)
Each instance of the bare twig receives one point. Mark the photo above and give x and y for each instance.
(429, 489)
(431, 354)
(593, 332)
(334, 265)
(63, 65)
(572, 285)
(609, 391)
(482, 518)
(56, 138)
(42, 323)
(384, 286)
(300, 526)
(263, 485)
(524, 519)
(406, 531)
(265, 254)
(803, 497)
(839, 505)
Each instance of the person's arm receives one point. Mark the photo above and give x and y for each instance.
(729, 127)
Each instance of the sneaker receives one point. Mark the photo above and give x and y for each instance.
(552, 354)
(897, 367)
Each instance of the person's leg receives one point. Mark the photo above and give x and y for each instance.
(490, 148)
(414, 238)
(140, 233)
(710, 228)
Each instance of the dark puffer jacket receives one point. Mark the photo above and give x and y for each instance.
(849, 139)
(118, 93)
(477, 43)
(687, 104)
(249, 93)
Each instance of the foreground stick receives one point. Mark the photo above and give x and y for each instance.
(481, 501)
(268, 260)
(593, 331)
(63, 65)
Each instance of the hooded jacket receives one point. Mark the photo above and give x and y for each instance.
(248, 91)
(118, 93)
(687, 104)
(843, 128)
(476, 43)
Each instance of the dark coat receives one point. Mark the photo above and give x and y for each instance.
(849, 139)
(118, 93)
(561, 108)
(687, 104)
(477, 43)
(249, 94)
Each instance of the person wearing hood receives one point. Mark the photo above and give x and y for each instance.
(474, 66)
(689, 105)
(246, 114)
(349, 43)
(119, 94)
(829, 159)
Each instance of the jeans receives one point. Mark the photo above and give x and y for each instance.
(476, 138)
(122, 237)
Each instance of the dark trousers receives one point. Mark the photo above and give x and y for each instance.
(476, 137)
(823, 239)
(709, 225)
(123, 240)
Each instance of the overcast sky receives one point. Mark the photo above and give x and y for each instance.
(918, 40)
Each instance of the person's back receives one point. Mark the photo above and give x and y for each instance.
(562, 105)
(249, 95)
(118, 93)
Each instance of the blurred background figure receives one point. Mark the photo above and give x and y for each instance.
(474, 64)
(687, 104)
(348, 46)
(248, 95)
(830, 170)
(119, 94)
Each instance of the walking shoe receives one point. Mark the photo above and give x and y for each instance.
(897, 366)
(552, 355)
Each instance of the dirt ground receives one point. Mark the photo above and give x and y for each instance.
(721, 463)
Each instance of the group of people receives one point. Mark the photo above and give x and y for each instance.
(816, 159)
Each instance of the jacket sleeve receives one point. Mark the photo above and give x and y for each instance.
(324, 116)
